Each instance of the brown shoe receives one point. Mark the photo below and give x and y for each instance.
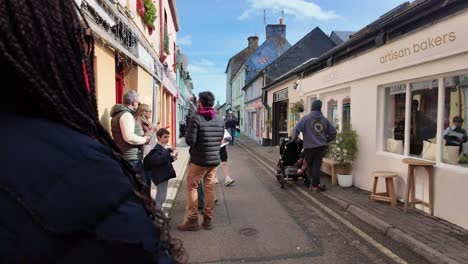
(207, 223)
(189, 225)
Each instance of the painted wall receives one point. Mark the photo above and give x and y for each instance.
(364, 77)
(145, 87)
(105, 83)
(172, 36)
(238, 95)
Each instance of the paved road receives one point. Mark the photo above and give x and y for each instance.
(256, 221)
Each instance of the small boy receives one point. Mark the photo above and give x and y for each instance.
(159, 161)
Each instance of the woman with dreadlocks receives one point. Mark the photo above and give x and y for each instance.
(66, 193)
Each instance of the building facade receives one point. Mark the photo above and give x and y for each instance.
(401, 95)
(237, 105)
(234, 63)
(128, 55)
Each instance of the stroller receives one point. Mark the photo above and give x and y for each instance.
(291, 160)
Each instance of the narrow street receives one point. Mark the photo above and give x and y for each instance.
(256, 221)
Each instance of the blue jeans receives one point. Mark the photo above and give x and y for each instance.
(201, 195)
(161, 193)
(232, 131)
(138, 166)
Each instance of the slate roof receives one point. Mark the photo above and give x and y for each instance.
(339, 37)
(237, 60)
(312, 45)
(271, 49)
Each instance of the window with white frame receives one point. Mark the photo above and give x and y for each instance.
(394, 126)
(455, 139)
(332, 112)
(421, 109)
(423, 117)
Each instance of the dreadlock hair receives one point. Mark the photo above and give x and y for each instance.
(49, 63)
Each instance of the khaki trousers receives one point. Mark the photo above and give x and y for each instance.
(195, 175)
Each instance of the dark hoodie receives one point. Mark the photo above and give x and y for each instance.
(317, 131)
(204, 134)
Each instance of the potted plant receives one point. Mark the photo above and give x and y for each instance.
(297, 107)
(150, 15)
(343, 151)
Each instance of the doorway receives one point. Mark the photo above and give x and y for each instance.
(280, 121)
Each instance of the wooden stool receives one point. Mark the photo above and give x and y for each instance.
(410, 198)
(389, 195)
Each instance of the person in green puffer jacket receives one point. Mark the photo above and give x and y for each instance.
(128, 134)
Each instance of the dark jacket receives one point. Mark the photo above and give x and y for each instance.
(204, 137)
(159, 161)
(316, 130)
(65, 200)
(231, 122)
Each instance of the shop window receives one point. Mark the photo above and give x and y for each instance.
(423, 122)
(455, 140)
(332, 112)
(346, 110)
(394, 126)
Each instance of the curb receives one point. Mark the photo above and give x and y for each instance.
(425, 251)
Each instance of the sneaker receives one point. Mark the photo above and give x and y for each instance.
(314, 189)
(317, 189)
(216, 180)
(229, 181)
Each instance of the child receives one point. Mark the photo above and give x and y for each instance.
(159, 161)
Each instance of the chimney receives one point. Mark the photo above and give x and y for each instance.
(276, 30)
(253, 42)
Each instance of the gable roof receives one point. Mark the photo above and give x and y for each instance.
(312, 45)
(339, 37)
(237, 60)
(265, 54)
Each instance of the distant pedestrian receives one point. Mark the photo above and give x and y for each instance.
(159, 161)
(67, 195)
(128, 134)
(231, 125)
(317, 132)
(204, 134)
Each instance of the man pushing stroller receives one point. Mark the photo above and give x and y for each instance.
(317, 132)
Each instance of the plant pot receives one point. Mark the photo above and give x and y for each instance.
(345, 180)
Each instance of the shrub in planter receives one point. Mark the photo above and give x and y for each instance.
(344, 149)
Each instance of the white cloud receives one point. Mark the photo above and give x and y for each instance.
(208, 76)
(202, 66)
(297, 8)
(194, 68)
(185, 41)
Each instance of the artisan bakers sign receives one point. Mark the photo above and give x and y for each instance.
(427, 44)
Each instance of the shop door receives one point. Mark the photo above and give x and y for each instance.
(119, 88)
(280, 121)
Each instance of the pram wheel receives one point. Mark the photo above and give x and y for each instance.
(280, 178)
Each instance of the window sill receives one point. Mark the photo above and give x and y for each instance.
(439, 165)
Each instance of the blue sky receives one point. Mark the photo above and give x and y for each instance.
(212, 31)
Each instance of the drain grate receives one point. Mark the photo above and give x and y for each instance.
(248, 232)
